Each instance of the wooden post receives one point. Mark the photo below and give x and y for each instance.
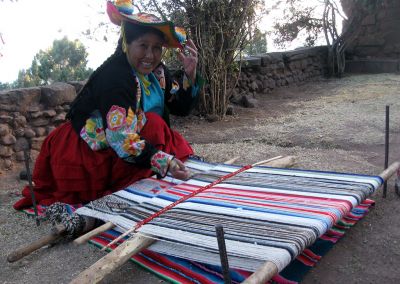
(263, 274)
(386, 174)
(84, 238)
(113, 260)
(55, 234)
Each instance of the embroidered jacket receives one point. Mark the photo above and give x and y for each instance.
(108, 112)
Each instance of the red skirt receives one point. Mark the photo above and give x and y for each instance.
(68, 171)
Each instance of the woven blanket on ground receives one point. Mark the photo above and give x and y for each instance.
(178, 270)
(268, 214)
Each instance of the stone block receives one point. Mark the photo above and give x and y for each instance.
(21, 144)
(19, 120)
(8, 139)
(49, 113)
(4, 129)
(9, 108)
(21, 98)
(36, 143)
(230, 110)
(29, 133)
(372, 66)
(33, 109)
(252, 61)
(36, 114)
(57, 94)
(78, 85)
(5, 119)
(59, 117)
(248, 101)
(265, 60)
(40, 131)
(40, 122)
(19, 132)
(5, 151)
(253, 86)
(20, 156)
(7, 164)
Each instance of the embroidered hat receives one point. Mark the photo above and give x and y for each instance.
(122, 10)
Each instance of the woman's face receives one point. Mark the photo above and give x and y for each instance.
(145, 53)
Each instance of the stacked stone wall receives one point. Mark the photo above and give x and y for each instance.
(379, 36)
(28, 115)
(264, 73)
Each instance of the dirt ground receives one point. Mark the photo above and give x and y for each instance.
(335, 124)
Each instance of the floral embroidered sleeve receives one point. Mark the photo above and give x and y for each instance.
(122, 135)
(122, 131)
(160, 162)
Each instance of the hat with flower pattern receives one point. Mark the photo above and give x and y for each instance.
(122, 10)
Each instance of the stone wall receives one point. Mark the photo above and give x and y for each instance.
(380, 33)
(264, 73)
(28, 115)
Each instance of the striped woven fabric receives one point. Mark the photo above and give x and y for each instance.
(178, 270)
(268, 214)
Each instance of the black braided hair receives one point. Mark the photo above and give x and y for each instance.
(118, 51)
(132, 32)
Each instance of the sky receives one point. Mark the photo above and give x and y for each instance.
(27, 26)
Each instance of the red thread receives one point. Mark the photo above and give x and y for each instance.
(186, 197)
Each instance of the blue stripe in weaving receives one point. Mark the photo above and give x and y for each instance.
(326, 220)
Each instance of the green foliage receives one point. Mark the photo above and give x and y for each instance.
(257, 43)
(220, 29)
(5, 86)
(64, 61)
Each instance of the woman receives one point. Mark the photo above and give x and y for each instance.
(118, 129)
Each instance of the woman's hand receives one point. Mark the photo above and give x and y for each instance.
(178, 170)
(189, 60)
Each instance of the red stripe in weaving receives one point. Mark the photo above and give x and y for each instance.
(186, 197)
(341, 206)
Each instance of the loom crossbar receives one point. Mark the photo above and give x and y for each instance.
(113, 260)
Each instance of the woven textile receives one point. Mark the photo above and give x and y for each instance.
(268, 214)
(178, 270)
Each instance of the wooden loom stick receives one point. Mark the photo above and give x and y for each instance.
(55, 234)
(263, 274)
(284, 162)
(231, 161)
(386, 174)
(266, 271)
(184, 198)
(84, 238)
(113, 260)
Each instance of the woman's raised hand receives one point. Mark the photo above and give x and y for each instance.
(179, 170)
(189, 60)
